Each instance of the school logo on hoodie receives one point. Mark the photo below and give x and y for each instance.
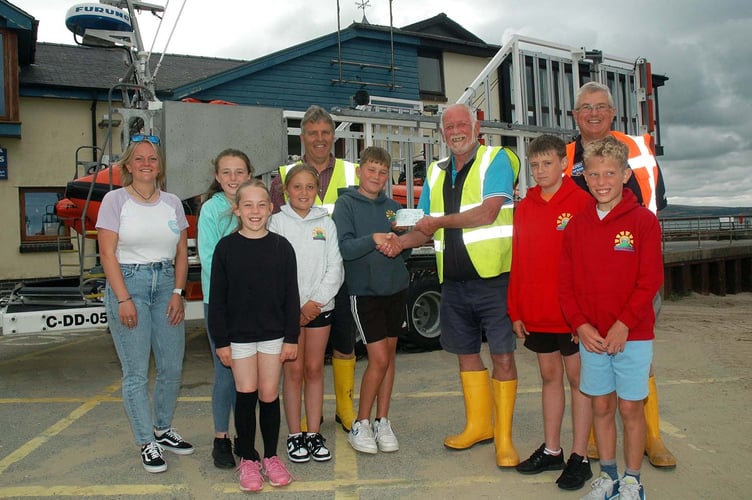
(624, 242)
(319, 234)
(562, 221)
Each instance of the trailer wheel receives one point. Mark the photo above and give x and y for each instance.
(423, 307)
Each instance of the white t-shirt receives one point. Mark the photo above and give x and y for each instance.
(147, 232)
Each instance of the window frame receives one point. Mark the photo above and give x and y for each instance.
(426, 94)
(42, 242)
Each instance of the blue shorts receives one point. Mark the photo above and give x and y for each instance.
(470, 309)
(626, 372)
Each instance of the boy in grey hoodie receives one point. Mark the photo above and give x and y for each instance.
(377, 285)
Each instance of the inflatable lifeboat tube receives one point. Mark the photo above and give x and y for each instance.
(70, 209)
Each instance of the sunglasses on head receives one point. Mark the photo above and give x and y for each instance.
(141, 138)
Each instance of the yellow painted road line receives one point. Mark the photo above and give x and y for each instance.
(56, 428)
(345, 467)
(330, 397)
(93, 491)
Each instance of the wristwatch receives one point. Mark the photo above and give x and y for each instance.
(179, 291)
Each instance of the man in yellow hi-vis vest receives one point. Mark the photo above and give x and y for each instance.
(317, 138)
(467, 199)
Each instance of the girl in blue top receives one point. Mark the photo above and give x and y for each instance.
(216, 219)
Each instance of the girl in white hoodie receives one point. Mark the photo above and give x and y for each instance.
(313, 235)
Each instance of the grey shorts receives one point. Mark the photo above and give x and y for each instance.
(471, 309)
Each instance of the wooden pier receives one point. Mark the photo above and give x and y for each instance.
(717, 267)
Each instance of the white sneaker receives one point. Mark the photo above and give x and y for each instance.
(384, 435)
(603, 488)
(630, 489)
(361, 437)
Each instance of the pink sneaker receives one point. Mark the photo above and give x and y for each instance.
(276, 471)
(250, 475)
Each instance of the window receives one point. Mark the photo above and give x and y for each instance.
(40, 227)
(431, 76)
(9, 72)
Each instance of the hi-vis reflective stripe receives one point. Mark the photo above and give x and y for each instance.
(486, 233)
(646, 161)
(485, 163)
(435, 172)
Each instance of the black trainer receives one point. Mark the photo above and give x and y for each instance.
(539, 462)
(575, 474)
(316, 447)
(222, 454)
(296, 449)
(151, 457)
(174, 442)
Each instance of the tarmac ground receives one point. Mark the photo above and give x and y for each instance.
(64, 433)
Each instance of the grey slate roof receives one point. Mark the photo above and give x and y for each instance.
(72, 66)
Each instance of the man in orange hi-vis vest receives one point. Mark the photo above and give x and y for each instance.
(594, 112)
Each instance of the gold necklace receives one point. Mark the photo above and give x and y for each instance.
(145, 198)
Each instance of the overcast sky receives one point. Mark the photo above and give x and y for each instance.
(702, 46)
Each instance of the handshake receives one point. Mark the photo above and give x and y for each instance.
(388, 244)
(391, 244)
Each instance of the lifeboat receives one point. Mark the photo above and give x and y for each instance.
(70, 209)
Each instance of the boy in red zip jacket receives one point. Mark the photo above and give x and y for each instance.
(533, 306)
(611, 269)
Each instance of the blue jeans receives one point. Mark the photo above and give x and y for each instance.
(150, 286)
(223, 391)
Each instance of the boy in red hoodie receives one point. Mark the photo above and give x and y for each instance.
(533, 307)
(611, 269)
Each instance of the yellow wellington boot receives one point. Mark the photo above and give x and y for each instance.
(658, 454)
(592, 446)
(344, 384)
(505, 393)
(478, 412)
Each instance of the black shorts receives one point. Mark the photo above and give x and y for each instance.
(544, 343)
(342, 334)
(323, 319)
(379, 317)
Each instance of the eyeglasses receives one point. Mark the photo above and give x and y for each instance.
(141, 138)
(598, 107)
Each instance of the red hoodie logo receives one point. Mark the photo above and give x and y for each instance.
(624, 242)
(562, 221)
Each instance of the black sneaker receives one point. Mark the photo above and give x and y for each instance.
(539, 462)
(222, 454)
(575, 474)
(296, 449)
(316, 447)
(151, 457)
(171, 440)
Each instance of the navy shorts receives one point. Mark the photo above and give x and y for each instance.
(470, 309)
(545, 343)
(380, 316)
